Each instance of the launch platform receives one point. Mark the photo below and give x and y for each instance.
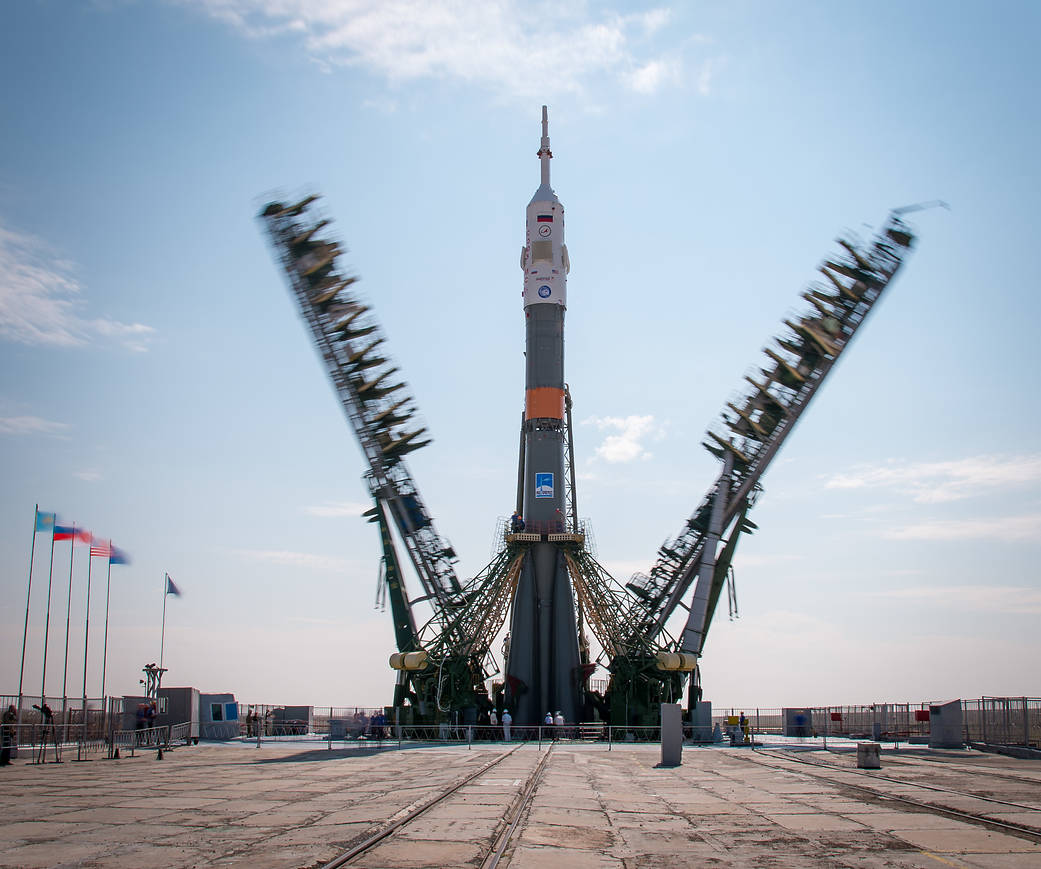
(294, 805)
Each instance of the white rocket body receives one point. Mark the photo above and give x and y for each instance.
(544, 256)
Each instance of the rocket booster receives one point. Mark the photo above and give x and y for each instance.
(543, 660)
(544, 260)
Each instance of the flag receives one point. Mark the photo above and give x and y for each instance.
(100, 548)
(44, 521)
(117, 556)
(544, 218)
(171, 588)
(71, 532)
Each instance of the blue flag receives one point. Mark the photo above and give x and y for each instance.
(117, 556)
(44, 521)
(171, 588)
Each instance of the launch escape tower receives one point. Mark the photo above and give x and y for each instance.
(544, 579)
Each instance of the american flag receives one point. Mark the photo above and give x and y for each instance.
(100, 548)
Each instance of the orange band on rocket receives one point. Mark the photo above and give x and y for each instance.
(544, 402)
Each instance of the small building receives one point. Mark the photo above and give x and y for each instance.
(798, 722)
(292, 720)
(180, 706)
(218, 716)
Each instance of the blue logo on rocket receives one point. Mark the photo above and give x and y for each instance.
(544, 291)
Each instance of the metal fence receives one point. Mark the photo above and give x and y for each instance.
(885, 721)
(1003, 721)
(85, 730)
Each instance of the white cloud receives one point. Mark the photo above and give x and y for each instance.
(1007, 529)
(337, 509)
(518, 49)
(1006, 599)
(707, 75)
(653, 75)
(306, 560)
(40, 300)
(627, 444)
(24, 425)
(936, 482)
(88, 476)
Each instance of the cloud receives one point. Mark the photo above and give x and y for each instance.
(518, 49)
(337, 509)
(25, 425)
(1008, 529)
(306, 560)
(40, 300)
(653, 75)
(1005, 599)
(88, 476)
(937, 482)
(626, 445)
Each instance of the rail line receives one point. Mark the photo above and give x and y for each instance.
(990, 773)
(504, 834)
(1022, 831)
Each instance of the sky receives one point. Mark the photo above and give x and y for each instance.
(158, 388)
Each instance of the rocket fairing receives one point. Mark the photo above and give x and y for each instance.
(544, 657)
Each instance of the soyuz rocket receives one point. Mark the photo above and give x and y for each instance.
(543, 659)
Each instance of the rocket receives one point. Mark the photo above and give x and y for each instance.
(543, 658)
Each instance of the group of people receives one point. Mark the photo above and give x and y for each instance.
(516, 523)
(257, 724)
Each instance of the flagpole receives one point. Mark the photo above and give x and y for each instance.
(47, 622)
(162, 636)
(108, 588)
(28, 597)
(86, 635)
(68, 618)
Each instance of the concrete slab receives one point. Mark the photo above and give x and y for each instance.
(283, 808)
(968, 840)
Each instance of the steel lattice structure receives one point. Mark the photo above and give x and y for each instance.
(452, 654)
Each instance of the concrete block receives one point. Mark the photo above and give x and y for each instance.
(945, 725)
(869, 755)
(671, 734)
(701, 722)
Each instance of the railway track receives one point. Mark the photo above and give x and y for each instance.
(504, 832)
(1023, 831)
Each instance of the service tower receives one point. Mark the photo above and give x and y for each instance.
(542, 666)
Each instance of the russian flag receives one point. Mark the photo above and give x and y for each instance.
(545, 218)
(71, 532)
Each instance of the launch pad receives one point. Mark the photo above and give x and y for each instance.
(565, 615)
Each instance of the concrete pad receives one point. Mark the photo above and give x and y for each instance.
(111, 815)
(45, 855)
(580, 838)
(814, 823)
(968, 840)
(654, 841)
(542, 857)
(1001, 861)
(450, 830)
(569, 817)
(401, 854)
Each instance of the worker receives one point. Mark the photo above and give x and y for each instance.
(507, 720)
(745, 728)
(516, 523)
(558, 724)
